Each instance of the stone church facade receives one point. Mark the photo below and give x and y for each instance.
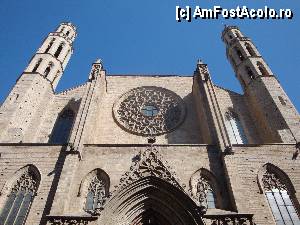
(142, 149)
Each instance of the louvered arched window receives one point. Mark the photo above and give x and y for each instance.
(48, 69)
(20, 197)
(49, 45)
(62, 128)
(279, 198)
(59, 49)
(38, 63)
(262, 69)
(250, 49)
(235, 129)
(239, 54)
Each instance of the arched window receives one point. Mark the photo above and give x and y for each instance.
(48, 69)
(249, 72)
(62, 128)
(239, 53)
(96, 195)
(62, 29)
(234, 128)
(37, 65)
(262, 69)
(205, 190)
(20, 197)
(95, 190)
(205, 194)
(250, 49)
(59, 49)
(68, 32)
(279, 198)
(50, 45)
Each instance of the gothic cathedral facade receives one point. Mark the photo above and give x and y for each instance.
(148, 150)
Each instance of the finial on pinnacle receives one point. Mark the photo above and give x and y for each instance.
(98, 61)
(199, 62)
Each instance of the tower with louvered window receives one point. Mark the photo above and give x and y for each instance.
(23, 108)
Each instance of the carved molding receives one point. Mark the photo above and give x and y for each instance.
(128, 111)
(203, 187)
(97, 187)
(149, 163)
(69, 220)
(271, 181)
(95, 71)
(229, 219)
(25, 183)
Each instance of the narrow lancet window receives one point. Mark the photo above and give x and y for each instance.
(59, 49)
(250, 73)
(250, 49)
(62, 128)
(17, 205)
(239, 53)
(50, 45)
(279, 199)
(37, 65)
(48, 69)
(262, 69)
(234, 128)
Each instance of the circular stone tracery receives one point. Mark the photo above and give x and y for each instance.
(149, 110)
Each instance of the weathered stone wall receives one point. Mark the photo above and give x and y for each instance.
(61, 101)
(230, 101)
(47, 159)
(24, 108)
(108, 131)
(116, 160)
(243, 168)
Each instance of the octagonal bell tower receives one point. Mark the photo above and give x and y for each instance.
(269, 104)
(28, 100)
(52, 57)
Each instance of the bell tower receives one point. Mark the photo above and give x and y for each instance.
(24, 106)
(275, 115)
(52, 57)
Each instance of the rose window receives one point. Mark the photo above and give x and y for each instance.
(149, 111)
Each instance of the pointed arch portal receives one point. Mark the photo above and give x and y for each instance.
(150, 201)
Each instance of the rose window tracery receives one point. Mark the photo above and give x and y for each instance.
(149, 110)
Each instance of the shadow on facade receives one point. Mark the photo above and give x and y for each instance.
(217, 169)
(188, 132)
(57, 174)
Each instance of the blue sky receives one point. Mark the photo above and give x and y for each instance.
(143, 37)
